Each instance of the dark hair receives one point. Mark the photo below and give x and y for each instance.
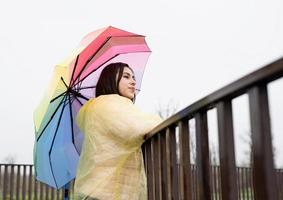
(107, 83)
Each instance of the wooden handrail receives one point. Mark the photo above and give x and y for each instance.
(265, 74)
(167, 179)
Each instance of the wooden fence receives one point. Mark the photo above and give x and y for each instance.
(169, 170)
(17, 182)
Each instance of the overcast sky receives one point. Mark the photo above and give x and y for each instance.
(198, 47)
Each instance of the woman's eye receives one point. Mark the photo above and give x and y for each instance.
(126, 76)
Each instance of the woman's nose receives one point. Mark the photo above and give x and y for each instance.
(133, 82)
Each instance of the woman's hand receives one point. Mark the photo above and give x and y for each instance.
(145, 137)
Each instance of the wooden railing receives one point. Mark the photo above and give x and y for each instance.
(168, 168)
(18, 182)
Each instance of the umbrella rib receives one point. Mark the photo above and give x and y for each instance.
(80, 81)
(64, 82)
(72, 127)
(75, 93)
(61, 93)
(107, 39)
(88, 87)
(58, 124)
(82, 96)
(103, 64)
(72, 99)
(79, 101)
(75, 66)
(58, 96)
(50, 119)
(79, 85)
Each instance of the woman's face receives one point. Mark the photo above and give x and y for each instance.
(127, 84)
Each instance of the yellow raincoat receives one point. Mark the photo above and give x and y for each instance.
(111, 163)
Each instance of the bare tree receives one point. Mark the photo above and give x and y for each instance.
(247, 139)
(193, 152)
(213, 154)
(169, 109)
(10, 159)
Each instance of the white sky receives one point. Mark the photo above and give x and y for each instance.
(198, 47)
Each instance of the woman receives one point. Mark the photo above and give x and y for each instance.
(111, 163)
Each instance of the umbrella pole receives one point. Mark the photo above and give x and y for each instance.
(66, 191)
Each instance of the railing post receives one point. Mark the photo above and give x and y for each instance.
(66, 191)
(226, 150)
(168, 164)
(157, 166)
(185, 165)
(153, 179)
(149, 169)
(164, 164)
(18, 181)
(11, 181)
(5, 184)
(35, 186)
(24, 183)
(0, 175)
(30, 183)
(41, 190)
(203, 169)
(263, 167)
(173, 163)
(46, 191)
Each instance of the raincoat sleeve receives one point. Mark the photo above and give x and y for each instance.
(122, 119)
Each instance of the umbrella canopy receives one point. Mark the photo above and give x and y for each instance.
(58, 139)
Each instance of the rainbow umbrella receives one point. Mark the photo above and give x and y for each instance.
(58, 140)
